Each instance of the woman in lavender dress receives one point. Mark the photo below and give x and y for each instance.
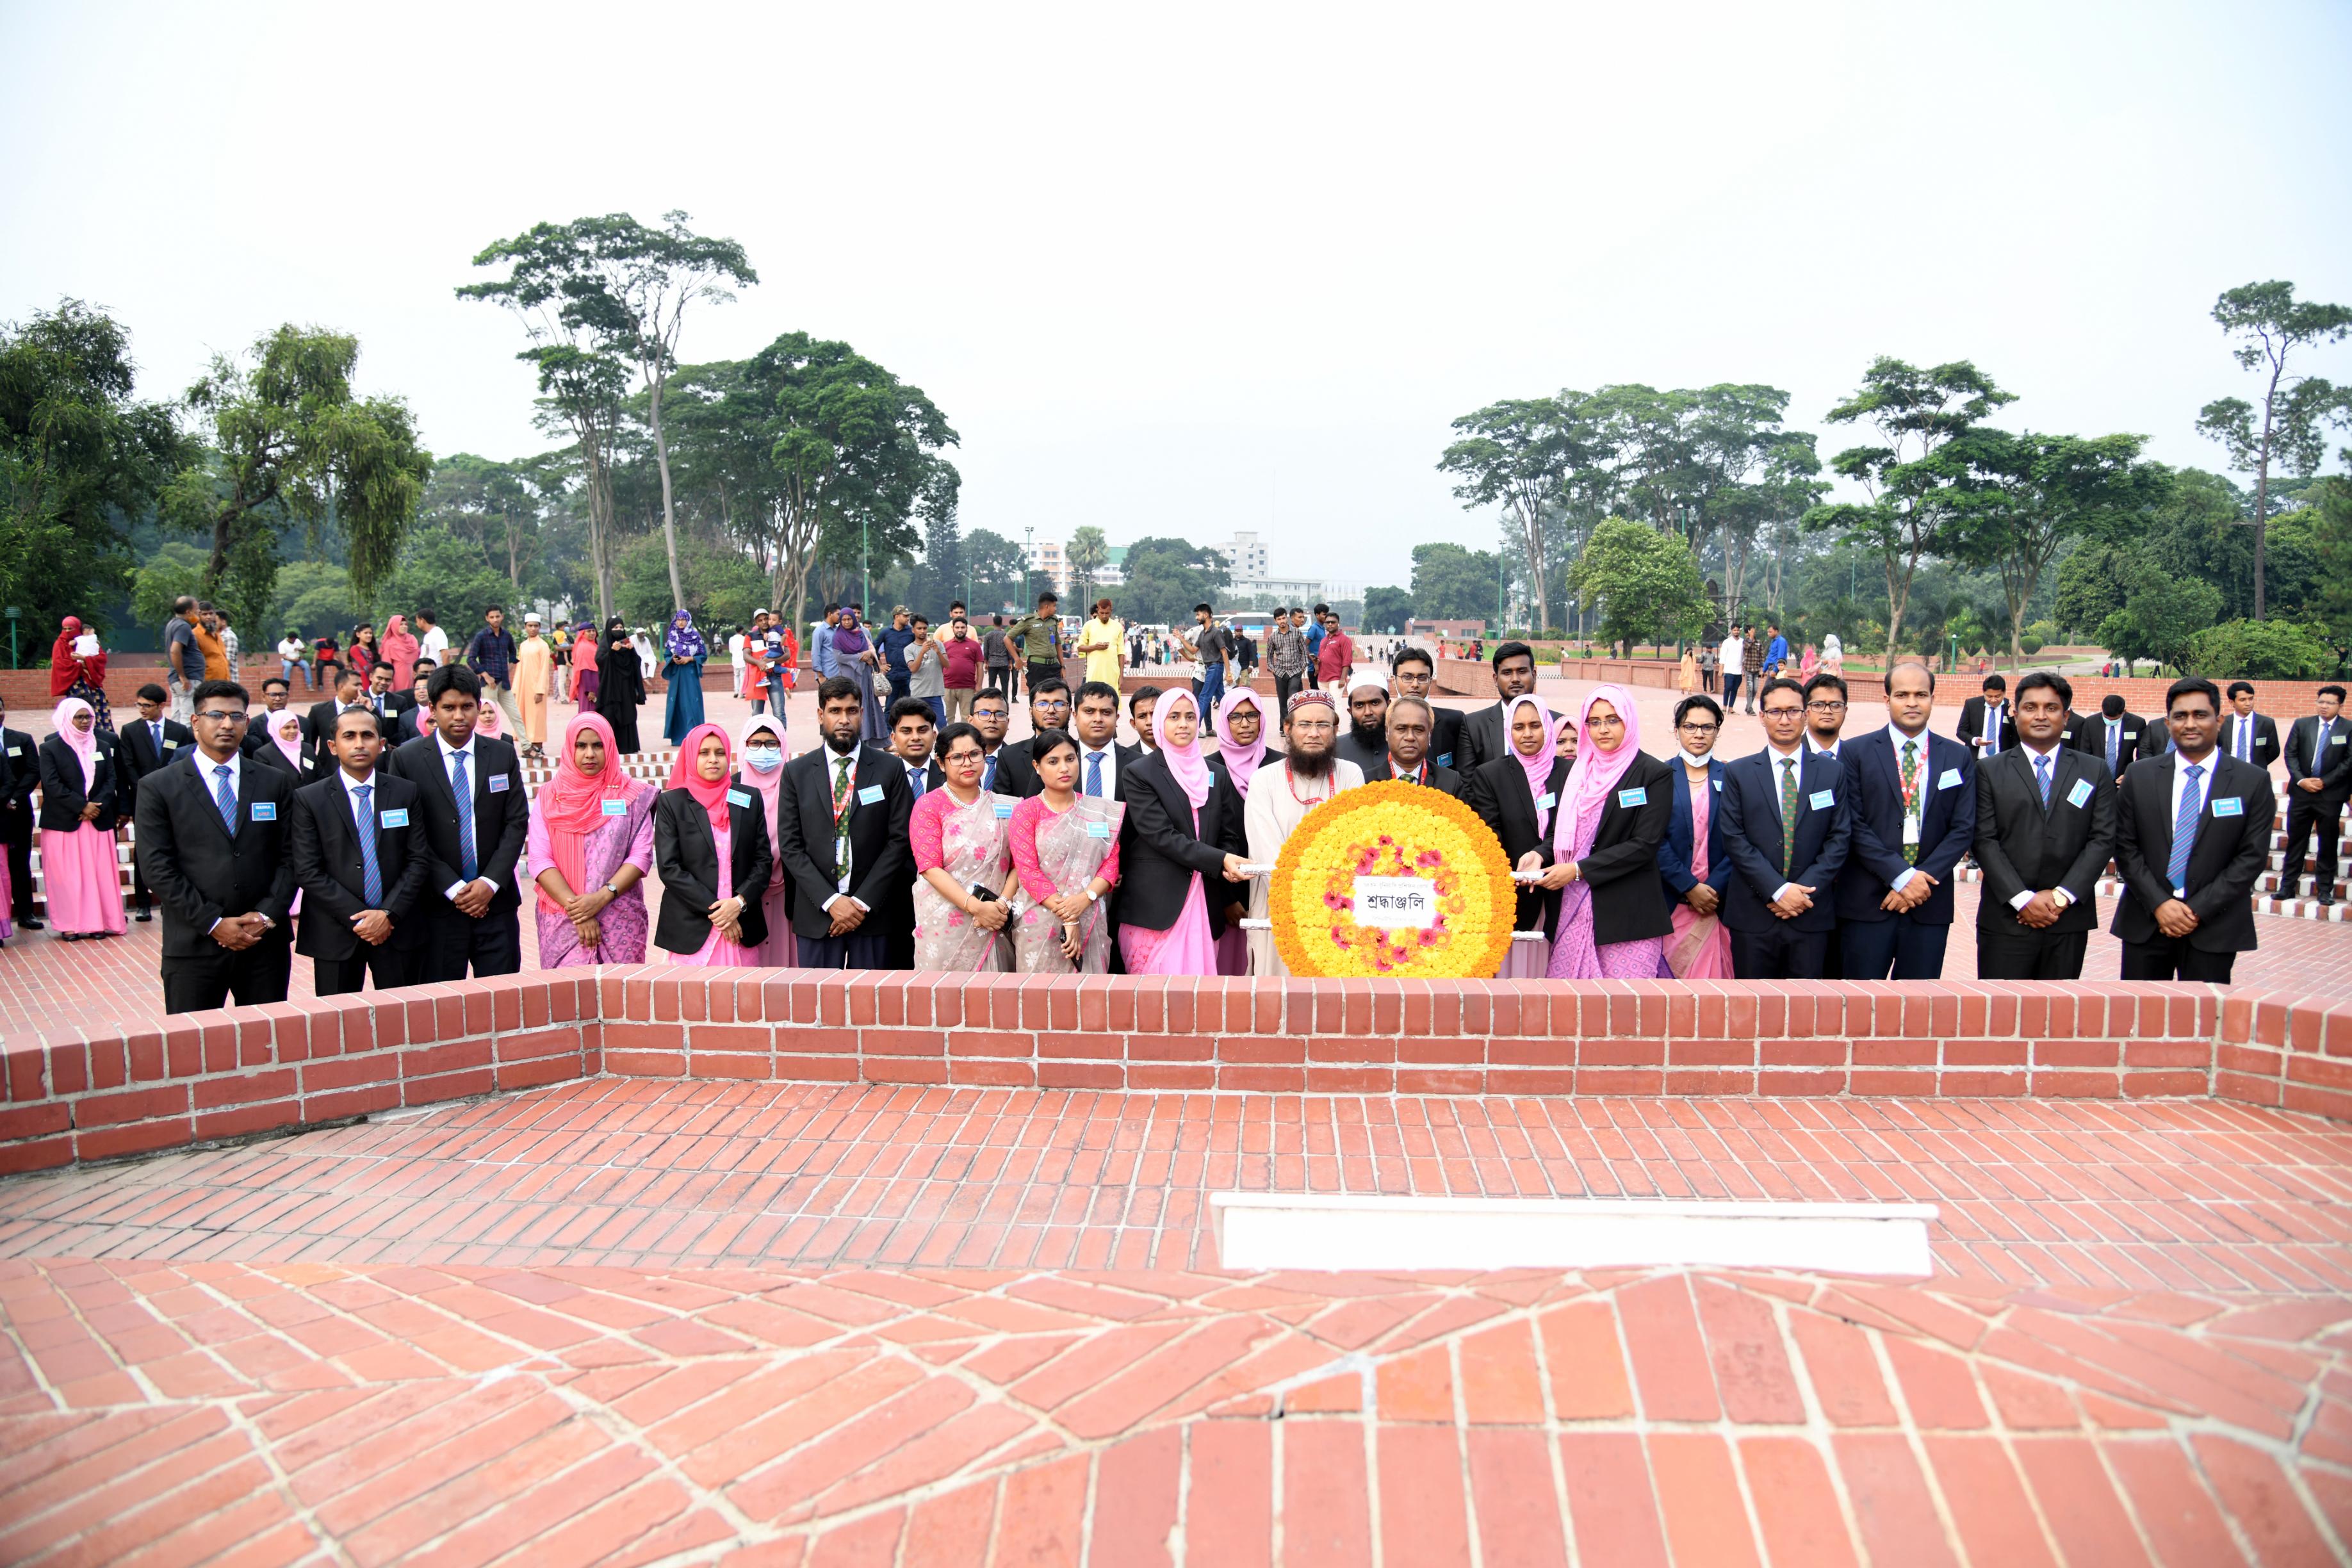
(590, 847)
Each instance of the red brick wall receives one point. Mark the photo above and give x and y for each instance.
(77, 1095)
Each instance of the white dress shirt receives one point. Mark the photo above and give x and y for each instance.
(1109, 752)
(1777, 754)
(2056, 750)
(234, 764)
(1993, 715)
(1923, 784)
(2241, 731)
(449, 756)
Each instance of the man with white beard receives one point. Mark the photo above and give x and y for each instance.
(1283, 792)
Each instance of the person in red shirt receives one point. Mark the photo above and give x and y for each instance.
(1335, 662)
(962, 655)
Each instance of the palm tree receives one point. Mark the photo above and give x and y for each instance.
(1088, 553)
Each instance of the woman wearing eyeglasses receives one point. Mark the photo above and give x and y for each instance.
(1695, 870)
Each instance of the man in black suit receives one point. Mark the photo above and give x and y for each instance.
(1410, 674)
(1049, 709)
(992, 711)
(1912, 798)
(2045, 830)
(149, 741)
(1483, 735)
(318, 724)
(401, 704)
(360, 859)
(1986, 726)
(841, 837)
(1410, 723)
(2249, 736)
(2192, 832)
(275, 691)
(212, 843)
(474, 817)
(914, 736)
(2318, 780)
(1786, 826)
(379, 700)
(1139, 703)
(1365, 744)
(2113, 735)
(20, 775)
(1103, 758)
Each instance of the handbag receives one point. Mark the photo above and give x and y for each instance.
(881, 687)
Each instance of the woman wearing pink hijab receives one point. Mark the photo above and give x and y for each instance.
(1241, 752)
(1517, 796)
(79, 812)
(397, 648)
(1187, 818)
(1604, 854)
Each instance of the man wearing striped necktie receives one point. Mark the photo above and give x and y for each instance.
(360, 862)
(2192, 833)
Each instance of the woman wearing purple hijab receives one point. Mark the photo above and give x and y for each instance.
(683, 651)
(854, 656)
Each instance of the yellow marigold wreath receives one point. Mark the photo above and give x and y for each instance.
(1393, 829)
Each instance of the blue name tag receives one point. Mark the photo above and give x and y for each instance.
(737, 798)
(1004, 811)
(1548, 802)
(870, 795)
(397, 818)
(1950, 778)
(1098, 831)
(1822, 799)
(1630, 799)
(498, 783)
(2079, 794)
(2229, 805)
(263, 811)
(616, 808)
(1719, 786)
(1446, 761)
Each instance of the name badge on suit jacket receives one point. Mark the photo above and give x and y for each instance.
(2338, 740)
(1822, 799)
(15, 751)
(870, 795)
(397, 818)
(1630, 799)
(498, 783)
(2080, 793)
(1548, 802)
(2229, 805)
(265, 811)
(1445, 761)
(1949, 780)
(737, 798)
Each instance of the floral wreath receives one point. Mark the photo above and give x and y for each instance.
(1393, 829)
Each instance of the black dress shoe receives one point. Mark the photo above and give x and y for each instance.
(144, 915)
(29, 923)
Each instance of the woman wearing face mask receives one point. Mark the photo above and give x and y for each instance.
(77, 822)
(590, 846)
(1188, 837)
(1691, 869)
(959, 833)
(1604, 854)
(620, 684)
(1518, 796)
(711, 844)
(762, 739)
(1064, 862)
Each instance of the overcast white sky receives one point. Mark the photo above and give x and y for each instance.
(1184, 269)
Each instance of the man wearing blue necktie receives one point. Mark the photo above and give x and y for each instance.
(359, 855)
(2192, 833)
(2319, 780)
(2249, 736)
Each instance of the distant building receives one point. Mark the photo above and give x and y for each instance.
(1250, 573)
(1048, 564)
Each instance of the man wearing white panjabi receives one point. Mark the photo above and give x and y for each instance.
(1280, 796)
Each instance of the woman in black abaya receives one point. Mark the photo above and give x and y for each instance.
(620, 684)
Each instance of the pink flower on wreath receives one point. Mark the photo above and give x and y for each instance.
(1429, 857)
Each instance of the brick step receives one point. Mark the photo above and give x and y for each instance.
(2266, 900)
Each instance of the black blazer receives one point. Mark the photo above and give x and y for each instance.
(136, 755)
(2334, 769)
(2229, 852)
(324, 843)
(1480, 741)
(1156, 866)
(2134, 739)
(2024, 848)
(319, 728)
(1972, 725)
(1445, 738)
(61, 785)
(202, 873)
(1948, 824)
(1016, 775)
(1497, 792)
(1440, 777)
(2264, 750)
(1752, 831)
(880, 855)
(1629, 902)
(20, 770)
(502, 818)
(687, 855)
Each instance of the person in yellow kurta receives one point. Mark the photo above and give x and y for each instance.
(534, 684)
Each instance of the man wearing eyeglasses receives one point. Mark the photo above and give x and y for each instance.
(213, 846)
(1826, 707)
(1410, 674)
(1049, 709)
(1785, 829)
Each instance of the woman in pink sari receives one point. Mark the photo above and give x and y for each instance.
(1604, 848)
(590, 847)
(1064, 861)
(77, 824)
(1188, 830)
(1694, 871)
(1241, 750)
(762, 740)
(959, 833)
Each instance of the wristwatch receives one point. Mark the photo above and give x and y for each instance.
(1093, 896)
(612, 890)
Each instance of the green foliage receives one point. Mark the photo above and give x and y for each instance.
(1451, 582)
(1387, 609)
(723, 585)
(495, 506)
(80, 459)
(2330, 531)
(996, 566)
(2161, 613)
(1166, 577)
(446, 575)
(2028, 644)
(291, 442)
(1087, 553)
(314, 597)
(2260, 650)
(177, 568)
(2090, 587)
(1646, 583)
(937, 581)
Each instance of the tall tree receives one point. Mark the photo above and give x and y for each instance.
(997, 565)
(291, 442)
(1087, 553)
(1912, 479)
(1647, 583)
(1517, 455)
(496, 505)
(1453, 582)
(624, 289)
(2269, 324)
(1387, 609)
(80, 460)
(1166, 577)
(2028, 496)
